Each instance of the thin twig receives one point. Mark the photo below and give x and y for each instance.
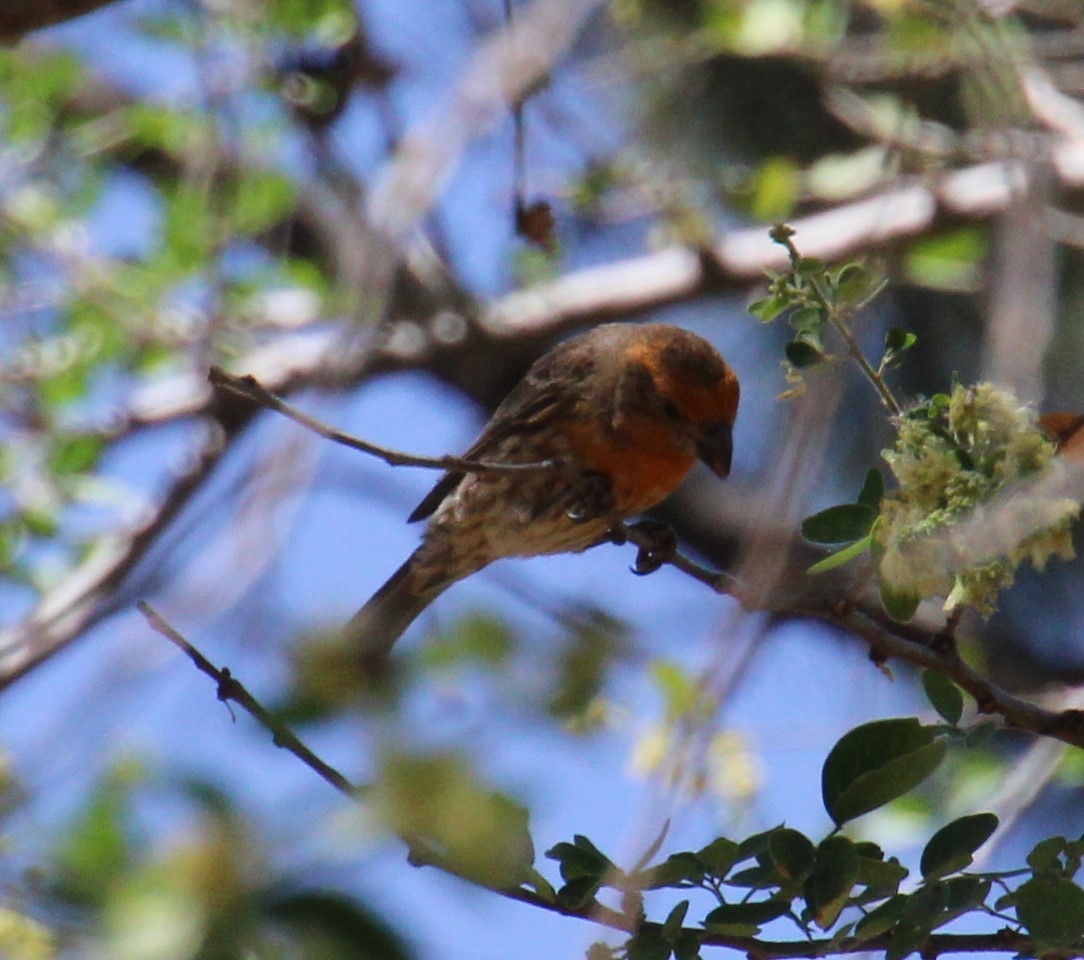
(717, 580)
(231, 690)
(251, 388)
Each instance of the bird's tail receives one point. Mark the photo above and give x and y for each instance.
(396, 605)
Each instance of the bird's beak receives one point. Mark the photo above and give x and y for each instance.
(716, 447)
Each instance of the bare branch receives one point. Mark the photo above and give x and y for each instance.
(232, 690)
(250, 387)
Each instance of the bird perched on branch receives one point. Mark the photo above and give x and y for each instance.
(620, 414)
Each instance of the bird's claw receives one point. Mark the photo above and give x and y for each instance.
(659, 550)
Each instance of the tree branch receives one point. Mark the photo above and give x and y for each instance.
(230, 689)
(250, 388)
(20, 17)
(929, 651)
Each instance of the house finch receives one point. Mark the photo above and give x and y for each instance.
(623, 411)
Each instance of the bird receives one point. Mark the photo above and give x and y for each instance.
(620, 413)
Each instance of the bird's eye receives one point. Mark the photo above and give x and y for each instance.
(672, 410)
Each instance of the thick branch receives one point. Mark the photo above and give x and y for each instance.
(20, 17)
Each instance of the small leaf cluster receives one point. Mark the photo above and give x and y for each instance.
(812, 297)
(845, 890)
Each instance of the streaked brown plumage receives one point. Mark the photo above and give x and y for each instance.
(626, 409)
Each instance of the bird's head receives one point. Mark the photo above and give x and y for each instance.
(683, 383)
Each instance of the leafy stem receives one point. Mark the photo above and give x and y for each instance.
(837, 305)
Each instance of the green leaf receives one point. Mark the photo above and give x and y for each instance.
(801, 353)
(746, 914)
(908, 936)
(768, 309)
(980, 733)
(686, 945)
(1044, 855)
(11, 538)
(677, 869)
(873, 490)
(808, 323)
(897, 340)
(719, 856)
(853, 282)
(328, 924)
(261, 199)
(581, 858)
(1052, 910)
(453, 819)
(578, 893)
(882, 919)
(950, 849)
(96, 851)
(755, 878)
(882, 878)
(840, 557)
(841, 524)
(792, 852)
(674, 919)
(899, 605)
(835, 872)
(944, 696)
(23, 938)
(476, 638)
(72, 455)
(876, 763)
(648, 945)
(951, 260)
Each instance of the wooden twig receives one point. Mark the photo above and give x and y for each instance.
(231, 690)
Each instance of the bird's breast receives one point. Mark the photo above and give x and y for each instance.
(645, 460)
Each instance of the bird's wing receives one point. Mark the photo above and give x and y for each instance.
(539, 399)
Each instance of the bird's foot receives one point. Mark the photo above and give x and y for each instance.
(657, 544)
(592, 497)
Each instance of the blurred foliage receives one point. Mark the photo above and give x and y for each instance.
(143, 237)
(208, 891)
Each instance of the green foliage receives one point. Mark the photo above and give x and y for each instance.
(876, 763)
(840, 888)
(955, 454)
(23, 938)
(207, 892)
(453, 820)
(950, 849)
(944, 696)
(814, 300)
(957, 459)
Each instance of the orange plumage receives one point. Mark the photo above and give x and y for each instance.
(625, 409)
